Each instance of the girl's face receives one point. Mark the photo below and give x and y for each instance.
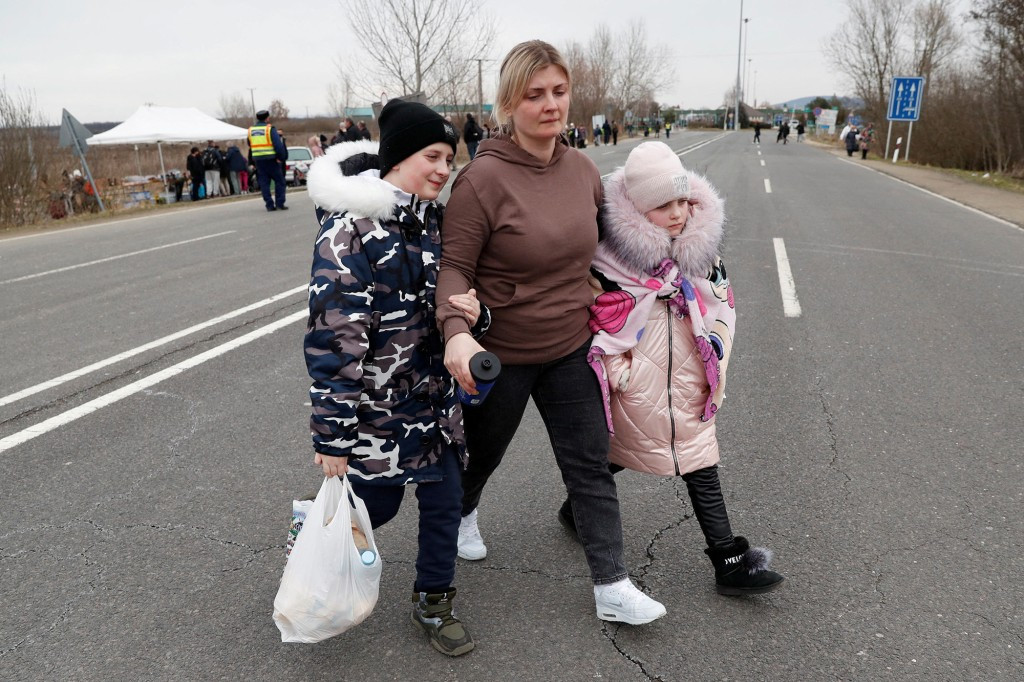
(425, 172)
(672, 216)
(542, 111)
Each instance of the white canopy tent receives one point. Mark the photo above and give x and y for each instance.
(151, 124)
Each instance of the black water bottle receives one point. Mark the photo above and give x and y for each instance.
(485, 368)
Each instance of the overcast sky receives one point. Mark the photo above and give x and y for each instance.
(103, 58)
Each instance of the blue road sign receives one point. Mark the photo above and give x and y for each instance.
(905, 98)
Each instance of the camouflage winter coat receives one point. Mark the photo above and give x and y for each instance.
(380, 394)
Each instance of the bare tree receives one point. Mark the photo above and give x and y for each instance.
(407, 42)
(936, 37)
(642, 69)
(866, 47)
(235, 107)
(581, 105)
(21, 184)
(278, 111)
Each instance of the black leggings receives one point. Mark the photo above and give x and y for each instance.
(705, 492)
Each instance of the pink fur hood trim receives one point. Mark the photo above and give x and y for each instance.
(642, 245)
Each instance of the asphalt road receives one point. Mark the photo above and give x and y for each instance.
(873, 441)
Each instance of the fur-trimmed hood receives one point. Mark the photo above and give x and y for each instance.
(335, 184)
(642, 245)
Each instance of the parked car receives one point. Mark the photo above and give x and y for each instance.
(297, 165)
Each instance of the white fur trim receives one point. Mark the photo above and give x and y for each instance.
(642, 245)
(361, 196)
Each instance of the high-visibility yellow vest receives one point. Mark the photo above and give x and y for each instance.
(260, 141)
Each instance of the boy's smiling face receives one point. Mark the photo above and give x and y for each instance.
(425, 173)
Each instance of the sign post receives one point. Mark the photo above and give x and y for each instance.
(74, 134)
(904, 105)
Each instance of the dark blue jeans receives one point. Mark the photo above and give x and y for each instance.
(267, 171)
(440, 515)
(568, 396)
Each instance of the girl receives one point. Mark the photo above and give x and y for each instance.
(525, 244)
(384, 409)
(665, 309)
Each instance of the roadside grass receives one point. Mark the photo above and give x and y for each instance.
(998, 180)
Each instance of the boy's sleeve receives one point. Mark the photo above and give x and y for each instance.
(337, 335)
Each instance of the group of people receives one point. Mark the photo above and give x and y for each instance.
(214, 172)
(577, 135)
(588, 328)
(856, 139)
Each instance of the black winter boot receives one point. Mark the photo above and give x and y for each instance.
(433, 613)
(742, 569)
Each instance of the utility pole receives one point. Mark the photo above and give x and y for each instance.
(746, 36)
(739, 62)
(252, 98)
(480, 83)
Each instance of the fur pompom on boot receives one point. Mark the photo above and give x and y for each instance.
(741, 569)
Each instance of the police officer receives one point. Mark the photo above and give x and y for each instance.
(268, 153)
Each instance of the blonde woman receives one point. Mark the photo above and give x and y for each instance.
(521, 229)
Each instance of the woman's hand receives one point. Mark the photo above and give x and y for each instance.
(468, 305)
(332, 466)
(457, 352)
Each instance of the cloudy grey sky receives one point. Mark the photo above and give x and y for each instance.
(103, 58)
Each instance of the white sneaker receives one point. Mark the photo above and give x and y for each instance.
(623, 602)
(471, 545)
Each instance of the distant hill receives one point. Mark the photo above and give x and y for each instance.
(801, 102)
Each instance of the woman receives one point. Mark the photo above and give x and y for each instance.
(526, 249)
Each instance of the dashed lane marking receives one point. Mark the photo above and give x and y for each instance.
(790, 302)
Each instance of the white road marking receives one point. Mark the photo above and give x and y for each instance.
(759, 151)
(698, 146)
(937, 196)
(790, 303)
(142, 384)
(762, 162)
(767, 186)
(64, 378)
(158, 214)
(110, 258)
(685, 151)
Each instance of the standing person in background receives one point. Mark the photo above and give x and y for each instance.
(225, 173)
(364, 132)
(606, 131)
(515, 235)
(757, 131)
(340, 135)
(351, 130)
(615, 133)
(194, 165)
(211, 167)
(448, 119)
(472, 134)
(851, 140)
(236, 168)
(800, 131)
(314, 147)
(668, 131)
(268, 152)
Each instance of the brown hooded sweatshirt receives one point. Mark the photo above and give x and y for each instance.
(522, 232)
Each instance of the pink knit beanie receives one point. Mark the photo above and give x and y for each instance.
(655, 176)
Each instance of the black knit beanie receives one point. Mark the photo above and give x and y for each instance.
(406, 128)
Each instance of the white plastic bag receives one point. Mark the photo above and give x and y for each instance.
(326, 588)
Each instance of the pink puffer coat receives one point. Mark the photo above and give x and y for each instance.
(657, 417)
(657, 413)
